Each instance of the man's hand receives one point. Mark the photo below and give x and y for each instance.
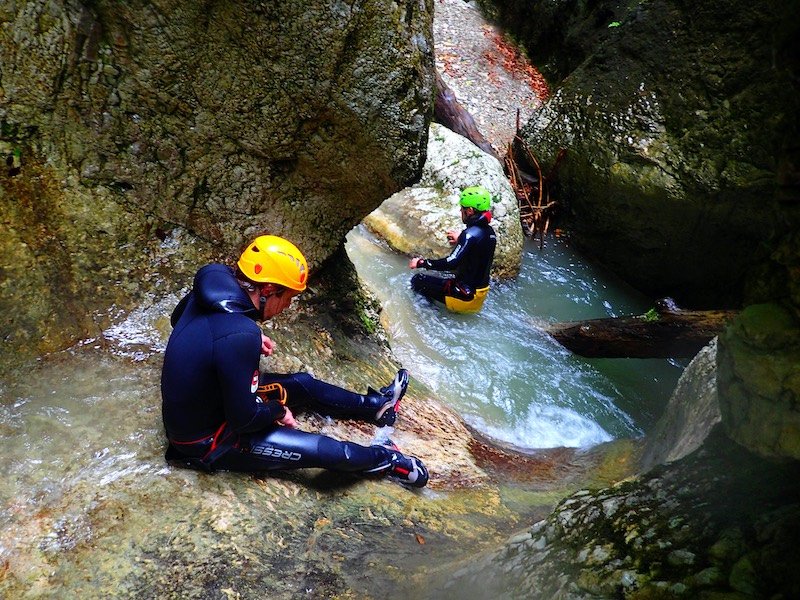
(288, 419)
(267, 345)
(414, 262)
(452, 236)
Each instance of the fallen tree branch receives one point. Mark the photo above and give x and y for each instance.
(534, 215)
(663, 332)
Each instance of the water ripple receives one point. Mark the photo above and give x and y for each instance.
(498, 368)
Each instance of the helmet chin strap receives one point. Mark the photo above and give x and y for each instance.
(263, 297)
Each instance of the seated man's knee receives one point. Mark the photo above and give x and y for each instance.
(303, 379)
(348, 456)
(334, 453)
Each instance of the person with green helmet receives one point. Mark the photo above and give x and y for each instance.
(221, 412)
(464, 285)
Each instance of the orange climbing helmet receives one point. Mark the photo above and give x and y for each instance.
(272, 259)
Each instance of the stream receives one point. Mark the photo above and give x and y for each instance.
(508, 379)
(83, 476)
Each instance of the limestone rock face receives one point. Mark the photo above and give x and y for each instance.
(414, 220)
(675, 532)
(759, 380)
(123, 120)
(691, 413)
(679, 127)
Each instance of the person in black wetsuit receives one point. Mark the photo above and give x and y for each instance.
(469, 265)
(220, 412)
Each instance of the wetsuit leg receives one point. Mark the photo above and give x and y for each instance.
(287, 448)
(304, 391)
(430, 286)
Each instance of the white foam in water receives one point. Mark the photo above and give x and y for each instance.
(501, 372)
(546, 427)
(137, 335)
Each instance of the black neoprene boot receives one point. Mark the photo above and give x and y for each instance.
(407, 470)
(386, 401)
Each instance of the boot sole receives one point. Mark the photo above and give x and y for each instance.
(399, 392)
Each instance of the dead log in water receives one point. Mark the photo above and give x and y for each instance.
(663, 332)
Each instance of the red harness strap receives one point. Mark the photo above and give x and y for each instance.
(222, 440)
(217, 439)
(201, 440)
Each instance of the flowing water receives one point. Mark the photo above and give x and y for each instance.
(83, 440)
(507, 378)
(81, 428)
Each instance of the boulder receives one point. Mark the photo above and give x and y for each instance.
(120, 121)
(691, 413)
(719, 523)
(759, 380)
(680, 128)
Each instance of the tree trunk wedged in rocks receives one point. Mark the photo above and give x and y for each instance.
(661, 333)
(449, 112)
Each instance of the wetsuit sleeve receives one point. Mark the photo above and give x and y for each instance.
(456, 256)
(236, 357)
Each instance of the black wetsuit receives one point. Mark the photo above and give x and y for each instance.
(213, 416)
(469, 264)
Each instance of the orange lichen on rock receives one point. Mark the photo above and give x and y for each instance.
(517, 64)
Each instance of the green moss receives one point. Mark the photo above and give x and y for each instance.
(355, 308)
(651, 315)
(370, 324)
(526, 501)
(767, 326)
(619, 461)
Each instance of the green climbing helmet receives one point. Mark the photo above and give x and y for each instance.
(476, 197)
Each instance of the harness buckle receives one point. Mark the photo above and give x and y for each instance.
(272, 391)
